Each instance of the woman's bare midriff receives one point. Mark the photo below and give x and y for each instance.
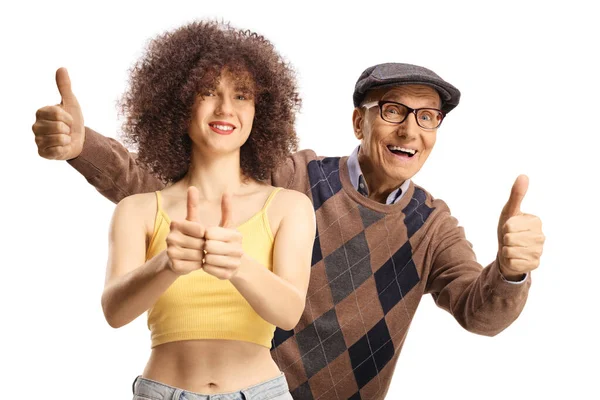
(210, 366)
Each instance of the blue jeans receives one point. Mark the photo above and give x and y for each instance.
(273, 389)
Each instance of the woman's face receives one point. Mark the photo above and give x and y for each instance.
(222, 117)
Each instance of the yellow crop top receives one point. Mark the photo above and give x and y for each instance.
(200, 306)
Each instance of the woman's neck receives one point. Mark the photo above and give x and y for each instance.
(215, 176)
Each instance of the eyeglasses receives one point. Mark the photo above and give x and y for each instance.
(396, 113)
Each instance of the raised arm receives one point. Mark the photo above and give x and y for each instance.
(105, 163)
(108, 166)
(486, 300)
(480, 299)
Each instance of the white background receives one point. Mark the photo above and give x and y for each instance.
(528, 73)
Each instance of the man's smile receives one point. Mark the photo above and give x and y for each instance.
(401, 153)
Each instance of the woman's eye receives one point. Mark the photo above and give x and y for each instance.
(243, 96)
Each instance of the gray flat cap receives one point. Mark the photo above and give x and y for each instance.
(396, 74)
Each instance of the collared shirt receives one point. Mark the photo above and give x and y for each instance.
(358, 180)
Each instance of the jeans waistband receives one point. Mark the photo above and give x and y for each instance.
(159, 391)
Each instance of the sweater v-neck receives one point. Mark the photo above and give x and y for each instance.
(369, 203)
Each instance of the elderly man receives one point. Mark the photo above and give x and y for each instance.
(382, 241)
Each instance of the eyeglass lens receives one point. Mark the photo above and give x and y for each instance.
(426, 118)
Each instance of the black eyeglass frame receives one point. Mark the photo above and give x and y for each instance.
(411, 110)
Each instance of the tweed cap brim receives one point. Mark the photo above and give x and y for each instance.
(397, 74)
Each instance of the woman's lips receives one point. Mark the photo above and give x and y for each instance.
(222, 128)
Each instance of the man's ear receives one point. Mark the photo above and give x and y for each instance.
(357, 123)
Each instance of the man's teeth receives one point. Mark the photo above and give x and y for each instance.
(402, 149)
(223, 127)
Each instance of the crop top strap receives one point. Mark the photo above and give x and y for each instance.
(270, 198)
(158, 201)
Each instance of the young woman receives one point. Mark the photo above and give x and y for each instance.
(219, 257)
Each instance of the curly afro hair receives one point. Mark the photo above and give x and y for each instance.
(180, 64)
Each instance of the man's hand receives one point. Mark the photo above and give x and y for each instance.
(59, 130)
(223, 247)
(185, 242)
(520, 237)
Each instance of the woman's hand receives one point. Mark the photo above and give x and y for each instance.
(185, 242)
(223, 246)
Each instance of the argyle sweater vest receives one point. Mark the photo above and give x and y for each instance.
(371, 264)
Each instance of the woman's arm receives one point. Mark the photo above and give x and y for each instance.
(278, 297)
(132, 284)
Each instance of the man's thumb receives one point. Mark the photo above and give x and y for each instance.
(193, 201)
(226, 211)
(517, 193)
(63, 82)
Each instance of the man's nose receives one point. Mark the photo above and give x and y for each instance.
(409, 128)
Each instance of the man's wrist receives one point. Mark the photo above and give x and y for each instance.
(511, 277)
(508, 276)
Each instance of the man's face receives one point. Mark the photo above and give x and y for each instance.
(385, 150)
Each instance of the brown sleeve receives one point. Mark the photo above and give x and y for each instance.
(480, 299)
(112, 169)
(292, 173)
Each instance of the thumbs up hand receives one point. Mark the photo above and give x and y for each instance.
(520, 237)
(223, 246)
(59, 130)
(185, 242)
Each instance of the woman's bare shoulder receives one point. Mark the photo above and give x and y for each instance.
(138, 209)
(139, 201)
(293, 198)
(288, 201)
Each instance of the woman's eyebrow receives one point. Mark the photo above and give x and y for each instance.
(244, 88)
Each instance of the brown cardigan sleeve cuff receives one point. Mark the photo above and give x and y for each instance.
(504, 288)
(91, 155)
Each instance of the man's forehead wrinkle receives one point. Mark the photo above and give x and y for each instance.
(412, 90)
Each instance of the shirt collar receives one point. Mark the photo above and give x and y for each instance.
(358, 181)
